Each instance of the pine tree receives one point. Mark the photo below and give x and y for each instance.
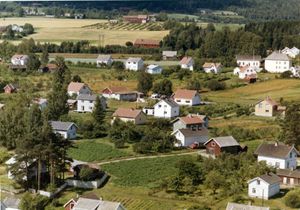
(44, 56)
(98, 112)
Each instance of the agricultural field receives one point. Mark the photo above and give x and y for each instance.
(57, 30)
(125, 26)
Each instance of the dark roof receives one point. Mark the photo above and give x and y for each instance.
(87, 97)
(277, 56)
(248, 57)
(170, 102)
(62, 126)
(224, 141)
(276, 150)
(288, 173)
(191, 133)
(270, 178)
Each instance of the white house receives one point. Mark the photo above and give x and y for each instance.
(185, 97)
(134, 64)
(187, 63)
(17, 28)
(166, 108)
(148, 111)
(77, 88)
(119, 93)
(277, 62)
(278, 155)
(169, 55)
(154, 69)
(86, 102)
(20, 60)
(104, 60)
(292, 52)
(67, 130)
(186, 137)
(10, 203)
(248, 60)
(213, 68)
(264, 187)
(136, 116)
(245, 72)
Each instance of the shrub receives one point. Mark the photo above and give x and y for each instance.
(4, 155)
(215, 85)
(86, 173)
(292, 199)
(286, 74)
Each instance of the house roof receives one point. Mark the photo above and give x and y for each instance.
(86, 204)
(75, 86)
(186, 60)
(169, 53)
(11, 202)
(192, 133)
(102, 57)
(87, 97)
(270, 178)
(134, 59)
(153, 66)
(210, 65)
(288, 173)
(245, 68)
(224, 141)
(248, 57)
(185, 94)
(108, 205)
(146, 42)
(62, 126)
(238, 206)
(191, 119)
(275, 150)
(118, 89)
(278, 56)
(19, 56)
(40, 101)
(127, 113)
(170, 102)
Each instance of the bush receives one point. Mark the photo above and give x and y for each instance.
(86, 173)
(292, 199)
(4, 155)
(286, 75)
(215, 85)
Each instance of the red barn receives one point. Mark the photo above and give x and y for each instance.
(147, 43)
(10, 88)
(219, 145)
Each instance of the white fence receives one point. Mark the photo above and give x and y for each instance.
(52, 194)
(86, 184)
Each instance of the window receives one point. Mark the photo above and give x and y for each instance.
(267, 110)
(213, 144)
(187, 101)
(291, 155)
(178, 100)
(90, 108)
(260, 105)
(165, 112)
(91, 102)
(159, 106)
(253, 190)
(277, 164)
(258, 182)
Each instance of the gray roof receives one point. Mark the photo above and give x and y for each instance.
(275, 150)
(238, 206)
(248, 57)
(108, 205)
(87, 97)
(86, 204)
(225, 141)
(194, 133)
(103, 57)
(169, 53)
(288, 173)
(134, 59)
(270, 178)
(277, 56)
(170, 102)
(61, 126)
(10, 202)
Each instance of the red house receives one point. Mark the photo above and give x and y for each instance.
(10, 88)
(227, 144)
(137, 18)
(147, 43)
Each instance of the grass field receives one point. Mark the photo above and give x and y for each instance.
(125, 26)
(58, 30)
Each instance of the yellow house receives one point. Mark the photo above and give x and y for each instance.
(138, 117)
(266, 108)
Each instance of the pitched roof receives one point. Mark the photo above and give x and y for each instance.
(238, 206)
(186, 60)
(169, 53)
(210, 65)
(86, 204)
(288, 173)
(11, 86)
(248, 57)
(103, 57)
(275, 150)
(108, 205)
(75, 86)
(117, 89)
(134, 59)
(224, 141)
(269, 100)
(146, 42)
(193, 133)
(11, 202)
(20, 56)
(277, 56)
(270, 178)
(192, 119)
(170, 102)
(185, 94)
(87, 97)
(127, 113)
(62, 126)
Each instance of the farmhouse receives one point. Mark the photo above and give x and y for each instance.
(66, 129)
(92, 202)
(238, 206)
(136, 116)
(247, 73)
(278, 155)
(11, 88)
(268, 108)
(264, 187)
(191, 121)
(104, 60)
(185, 97)
(77, 88)
(134, 64)
(248, 60)
(119, 93)
(146, 43)
(291, 52)
(277, 62)
(19, 60)
(218, 145)
(10, 203)
(169, 55)
(154, 69)
(187, 63)
(289, 177)
(166, 108)
(86, 102)
(137, 18)
(186, 136)
(213, 68)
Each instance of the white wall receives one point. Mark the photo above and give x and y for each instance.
(283, 163)
(85, 106)
(274, 66)
(186, 141)
(163, 110)
(186, 102)
(262, 190)
(84, 90)
(135, 66)
(255, 63)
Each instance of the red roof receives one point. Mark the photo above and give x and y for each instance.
(185, 94)
(193, 119)
(75, 86)
(186, 60)
(127, 113)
